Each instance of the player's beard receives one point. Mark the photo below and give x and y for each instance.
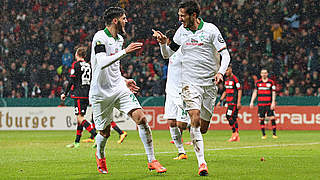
(121, 29)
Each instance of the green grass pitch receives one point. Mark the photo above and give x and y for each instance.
(43, 155)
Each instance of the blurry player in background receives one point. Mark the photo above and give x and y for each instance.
(178, 118)
(265, 89)
(232, 93)
(80, 82)
(110, 89)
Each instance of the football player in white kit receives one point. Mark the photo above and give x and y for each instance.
(201, 45)
(110, 89)
(178, 118)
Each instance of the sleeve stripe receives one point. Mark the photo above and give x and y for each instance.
(222, 49)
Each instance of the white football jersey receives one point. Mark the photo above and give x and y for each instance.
(173, 86)
(200, 53)
(106, 80)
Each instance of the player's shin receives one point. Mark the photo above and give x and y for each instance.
(274, 127)
(197, 141)
(176, 137)
(262, 126)
(101, 143)
(146, 138)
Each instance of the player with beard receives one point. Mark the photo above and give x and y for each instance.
(110, 89)
(201, 45)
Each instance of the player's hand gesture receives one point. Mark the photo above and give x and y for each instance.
(251, 105)
(63, 97)
(218, 78)
(133, 47)
(239, 106)
(131, 84)
(273, 105)
(161, 38)
(218, 104)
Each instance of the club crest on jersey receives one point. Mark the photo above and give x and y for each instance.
(230, 83)
(194, 40)
(268, 85)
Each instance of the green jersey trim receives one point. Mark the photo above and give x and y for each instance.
(106, 30)
(199, 27)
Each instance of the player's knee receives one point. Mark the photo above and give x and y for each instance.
(105, 133)
(231, 121)
(142, 120)
(172, 123)
(182, 126)
(203, 130)
(80, 118)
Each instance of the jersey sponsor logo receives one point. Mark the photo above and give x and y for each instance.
(220, 38)
(194, 42)
(263, 88)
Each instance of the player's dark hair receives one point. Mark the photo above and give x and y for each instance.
(111, 13)
(190, 7)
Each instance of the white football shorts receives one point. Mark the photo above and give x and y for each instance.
(202, 98)
(173, 109)
(102, 108)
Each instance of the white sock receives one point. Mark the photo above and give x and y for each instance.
(146, 138)
(101, 143)
(197, 141)
(176, 137)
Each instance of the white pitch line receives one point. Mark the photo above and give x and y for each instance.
(230, 148)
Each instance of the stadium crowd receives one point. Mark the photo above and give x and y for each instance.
(38, 39)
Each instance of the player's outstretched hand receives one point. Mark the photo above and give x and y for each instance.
(161, 38)
(63, 97)
(218, 78)
(133, 47)
(131, 84)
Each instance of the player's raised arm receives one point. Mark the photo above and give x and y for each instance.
(104, 60)
(165, 41)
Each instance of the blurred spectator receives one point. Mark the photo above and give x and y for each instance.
(37, 40)
(67, 58)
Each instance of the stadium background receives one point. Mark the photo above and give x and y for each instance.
(37, 41)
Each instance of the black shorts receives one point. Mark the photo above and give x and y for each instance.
(80, 106)
(232, 112)
(263, 110)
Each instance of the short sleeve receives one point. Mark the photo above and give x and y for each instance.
(218, 40)
(99, 45)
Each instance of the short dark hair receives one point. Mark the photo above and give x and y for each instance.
(111, 13)
(191, 7)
